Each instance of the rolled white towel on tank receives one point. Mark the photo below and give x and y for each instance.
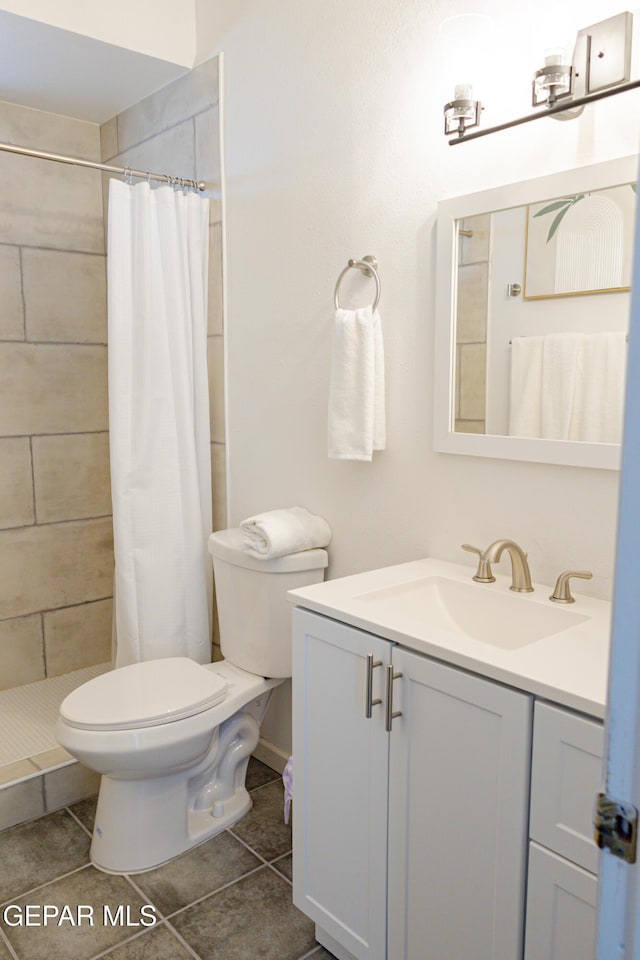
(278, 532)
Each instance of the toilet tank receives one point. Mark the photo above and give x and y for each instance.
(253, 611)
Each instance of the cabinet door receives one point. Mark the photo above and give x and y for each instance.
(340, 782)
(458, 798)
(561, 909)
(565, 778)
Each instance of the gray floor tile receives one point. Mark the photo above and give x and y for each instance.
(200, 871)
(252, 918)
(85, 811)
(90, 889)
(158, 944)
(4, 953)
(285, 866)
(259, 773)
(34, 853)
(264, 828)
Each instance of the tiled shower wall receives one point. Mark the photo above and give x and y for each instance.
(471, 323)
(56, 560)
(56, 554)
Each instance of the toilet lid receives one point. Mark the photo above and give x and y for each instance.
(144, 695)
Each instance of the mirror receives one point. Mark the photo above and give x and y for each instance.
(532, 315)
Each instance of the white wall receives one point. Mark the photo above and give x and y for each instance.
(334, 149)
(158, 28)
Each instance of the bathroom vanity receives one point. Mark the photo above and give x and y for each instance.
(447, 756)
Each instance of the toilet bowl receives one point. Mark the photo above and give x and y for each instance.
(172, 738)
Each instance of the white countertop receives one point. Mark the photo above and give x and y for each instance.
(568, 667)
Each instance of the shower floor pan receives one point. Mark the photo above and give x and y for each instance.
(27, 721)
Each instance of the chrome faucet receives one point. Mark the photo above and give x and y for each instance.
(520, 575)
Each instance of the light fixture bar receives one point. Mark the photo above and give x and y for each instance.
(550, 111)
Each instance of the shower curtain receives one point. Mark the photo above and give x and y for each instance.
(159, 430)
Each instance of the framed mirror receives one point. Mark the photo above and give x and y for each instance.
(533, 300)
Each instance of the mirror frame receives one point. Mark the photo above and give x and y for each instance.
(572, 453)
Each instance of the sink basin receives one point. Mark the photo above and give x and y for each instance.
(500, 619)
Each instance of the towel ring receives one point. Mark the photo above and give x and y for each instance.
(367, 266)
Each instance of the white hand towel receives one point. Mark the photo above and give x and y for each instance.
(598, 409)
(278, 532)
(356, 421)
(559, 366)
(526, 386)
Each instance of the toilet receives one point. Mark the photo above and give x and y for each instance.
(172, 738)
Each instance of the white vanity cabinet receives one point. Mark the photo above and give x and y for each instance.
(563, 857)
(409, 844)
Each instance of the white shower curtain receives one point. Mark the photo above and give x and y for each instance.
(159, 421)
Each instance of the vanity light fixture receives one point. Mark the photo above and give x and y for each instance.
(462, 112)
(552, 81)
(600, 67)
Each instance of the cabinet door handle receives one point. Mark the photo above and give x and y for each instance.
(391, 714)
(371, 703)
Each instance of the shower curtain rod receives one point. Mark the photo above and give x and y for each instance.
(123, 171)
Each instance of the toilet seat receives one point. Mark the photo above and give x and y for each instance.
(144, 695)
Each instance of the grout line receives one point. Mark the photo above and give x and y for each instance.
(82, 603)
(121, 943)
(311, 952)
(7, 943)
(22, 296)
(41, 886)
(280, 875)
(60, 343)
(181, 940)
(212, 893)
(37, 246)
(117, 157)
(268, 784)
(249, 848)
(79, 821)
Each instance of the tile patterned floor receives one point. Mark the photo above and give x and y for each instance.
(228, 899)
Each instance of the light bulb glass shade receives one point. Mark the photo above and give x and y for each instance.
(462, 112)
(551, 82)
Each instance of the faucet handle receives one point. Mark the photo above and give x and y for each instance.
(483, 574)
(562, 590)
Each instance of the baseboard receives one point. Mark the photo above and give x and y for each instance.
(274, 757)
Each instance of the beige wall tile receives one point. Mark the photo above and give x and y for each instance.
(16, 485)
(56, 565)
(77, 637)
(11, 311)
(470, 426)
(184, 97)
(473, 377)
(20, 802)
(208, 146)
(51, 758)
(21, 651)
(48, 204)
(215, 206)
(172, 152)
(219, 485)
(65, 296)
(475, 249)
(215, 359)
(472, 303)
(69, 784)
(71, 475)
(109, 139)
(215, 319)
(49, 131)
(47, 388)
(15, 772)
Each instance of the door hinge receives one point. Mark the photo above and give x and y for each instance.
(616, 827)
